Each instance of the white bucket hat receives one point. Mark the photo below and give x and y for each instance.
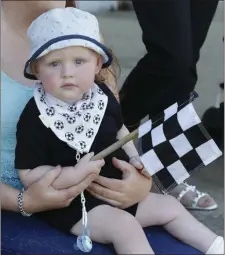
(64, 27)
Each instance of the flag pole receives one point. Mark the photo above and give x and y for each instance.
(116, 145)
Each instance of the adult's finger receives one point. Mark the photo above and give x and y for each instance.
(122, 165)
(105, 192)
(50, 177)
(110, 201)
(74, 191)
(113, 184)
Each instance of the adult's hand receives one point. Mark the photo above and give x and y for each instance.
(41, 196)
(133, 188)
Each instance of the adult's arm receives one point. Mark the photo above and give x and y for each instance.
(9, 197)
(41, 196)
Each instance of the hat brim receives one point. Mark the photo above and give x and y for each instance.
(68, 41)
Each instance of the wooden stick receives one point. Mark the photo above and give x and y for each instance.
(116, 145)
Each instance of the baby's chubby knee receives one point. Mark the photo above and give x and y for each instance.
(123, 223)
(121, 216)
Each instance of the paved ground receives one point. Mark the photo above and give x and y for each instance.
(122, 33)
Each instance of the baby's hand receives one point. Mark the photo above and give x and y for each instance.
(87, 165)
(136, 162)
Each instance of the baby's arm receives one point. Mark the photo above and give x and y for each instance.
(69, 175)
(130, 148)
(63, 181)
(28, 176)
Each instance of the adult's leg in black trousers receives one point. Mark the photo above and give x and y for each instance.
(167, 72)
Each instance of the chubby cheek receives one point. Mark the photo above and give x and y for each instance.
(50, 82)
(86, 80)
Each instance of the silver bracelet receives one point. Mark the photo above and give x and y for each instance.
(20, 203)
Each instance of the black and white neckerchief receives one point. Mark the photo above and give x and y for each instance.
(76, 124)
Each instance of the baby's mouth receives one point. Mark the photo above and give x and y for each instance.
(68, 85)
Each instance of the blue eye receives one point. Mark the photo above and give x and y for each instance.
(78, 61)
(54, 64)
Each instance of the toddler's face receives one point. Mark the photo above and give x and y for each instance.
(68, 73)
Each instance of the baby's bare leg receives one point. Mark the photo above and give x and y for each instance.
(111, 225)
(165, 210)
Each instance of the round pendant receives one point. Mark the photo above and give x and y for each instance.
(84, 243)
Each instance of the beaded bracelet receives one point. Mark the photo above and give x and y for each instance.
(20, 203)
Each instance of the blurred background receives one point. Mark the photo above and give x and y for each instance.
(122, 34)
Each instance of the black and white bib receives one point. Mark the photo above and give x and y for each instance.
(76, 124)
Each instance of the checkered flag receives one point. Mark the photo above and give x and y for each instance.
(174, 144)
